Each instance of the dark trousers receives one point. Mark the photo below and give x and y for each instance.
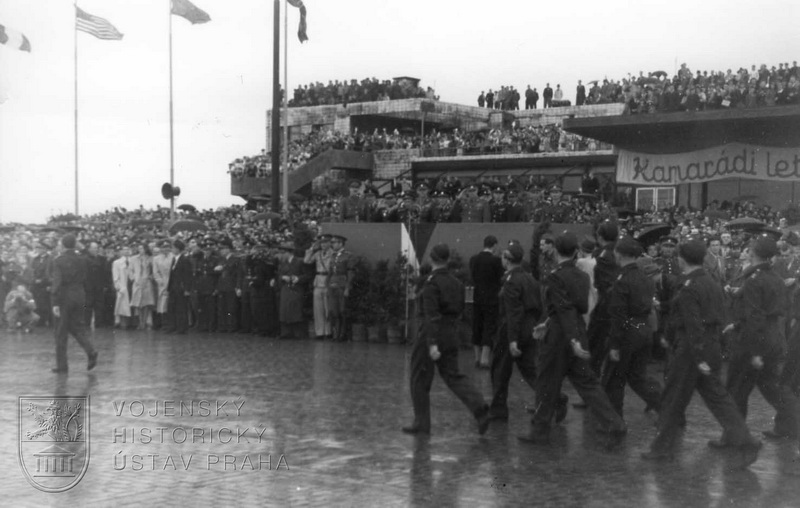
(422, 373)
(484, 324)
(599, 328)
(228, 316)
(336, 312)
(682, 379)
(43, 306)
(790, 381)
(177, 317)
(743, 378)
(556, 361)
(71, 322)
(631, 369)
(502, 367)
(94, 308)
(206, 312)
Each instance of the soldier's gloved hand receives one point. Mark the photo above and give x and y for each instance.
(514, 350)
(56, 311)
(578, 350)
(239, 292)
(729, 328)
(539, 331)
(704, 368)
(613, 355)
(434, 353)
(757, 362)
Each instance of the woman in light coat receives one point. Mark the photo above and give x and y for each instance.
(143, 298)
(120, 272)
(162, 263)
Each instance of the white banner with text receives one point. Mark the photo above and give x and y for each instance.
(734, 160)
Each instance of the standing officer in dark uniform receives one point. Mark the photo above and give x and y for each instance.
(437, 344)
(605, 273)
(562, 350)
(521, 308)
(206, 277)
(293, 278)
(486, 270)
(696, 320)
(69, 297)
(498, 206)
(259, 293)
(229, 290)
(95, 278)
(350, 206)
(630, 338)
(369, 206)
(515, 212)
(179, 290)
(340, 281)
(40, 266)
(759, 354)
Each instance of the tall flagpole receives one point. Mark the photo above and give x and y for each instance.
(75, 29)
(276, 109)
(171, 136)
(286, 105)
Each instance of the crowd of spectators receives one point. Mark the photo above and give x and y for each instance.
(515, 140)
(367, 90)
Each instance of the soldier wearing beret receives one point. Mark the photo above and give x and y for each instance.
(697, 320)
(563, 348)
(442, 302)
(759, 353)
(206, 277)
(229, 289)
(630, 337)
(340, 281)
(520, 309)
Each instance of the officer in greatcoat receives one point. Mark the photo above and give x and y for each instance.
(292, 277)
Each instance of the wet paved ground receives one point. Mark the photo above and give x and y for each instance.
(324, 419)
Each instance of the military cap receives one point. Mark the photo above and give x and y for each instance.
(422, 186)
(354, 183)
(515, 253)
(340, 238)
(693, 251)
(389, 194)
(566, 243)
(371, 191)
(628, 247)
(209, 242)
(499, 188)
(324, 237)
(608, 231)
(669, 240)
(409, 194)
(471, 188)
(484, 190)
(440, 194)
(440, 253)
(764, 247)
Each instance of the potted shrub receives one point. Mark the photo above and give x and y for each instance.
(393, 298)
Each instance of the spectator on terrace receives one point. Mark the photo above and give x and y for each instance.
(481, 100)
(559, 93)
(580, 96)
(548, 96)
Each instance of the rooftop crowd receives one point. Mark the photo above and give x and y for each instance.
(366, 90)
(657, 92)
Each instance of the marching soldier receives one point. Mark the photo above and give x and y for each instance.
(562, 350)
(340, 281)
(206, 277)
(605, 272)
(229, 289)
(350, 206)
(319, 254)
(630, 338)
(520, 309)
(437, 345)
(696, 320)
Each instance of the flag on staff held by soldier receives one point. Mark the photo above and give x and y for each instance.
(186, 9)
(301, 30)
(14, 39)
(96, 26)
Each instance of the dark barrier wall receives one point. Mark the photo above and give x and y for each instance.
(383, 241)
(467, 239)
(373, 241)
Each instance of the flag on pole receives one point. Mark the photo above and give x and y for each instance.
(14, 39)
(93, 25)
(301, 30)
(187, 10)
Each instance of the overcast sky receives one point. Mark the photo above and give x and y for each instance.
(222, 76)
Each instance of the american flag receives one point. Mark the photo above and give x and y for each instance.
(96, 26)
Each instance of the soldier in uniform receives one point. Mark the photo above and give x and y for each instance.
(387, 210)
(520, 309)
(696, 321)
(292, 276)
(442, 302)
(469, 207)
(605, 272)
(516, 210)
(349, 206)
(339, 284)
(562, 350)
(759, 354)
(95, 275)
(369, 206)
(40, 287)
(438, 210)
(229, 289)
(68, 298)
(631, 338)
(408, 211)
(319, 254)
(498, 205)
(206, 278)
(258, 296)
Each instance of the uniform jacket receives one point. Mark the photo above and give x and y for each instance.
(442, 302)
(486, 270)
(69, 277)
(520, 304)
(567, 299)
(230, 276)
(629, 306)
(180, 275)
(759, 305)
(292, 293)
(697, 315)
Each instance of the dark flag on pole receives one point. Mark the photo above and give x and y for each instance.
(187, 10)
(301, 30)
(14, 39)
(94, 25)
